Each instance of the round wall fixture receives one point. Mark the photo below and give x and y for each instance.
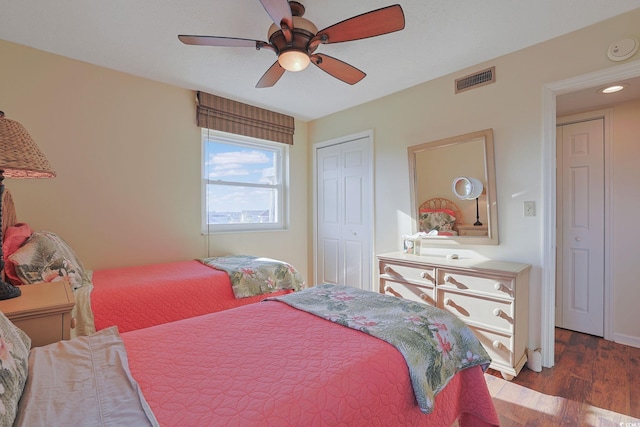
(623, 49)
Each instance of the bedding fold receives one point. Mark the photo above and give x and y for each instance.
(251, 275)
(435, 344)
(83, 382)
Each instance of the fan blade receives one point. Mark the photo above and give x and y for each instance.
(221, 41)
(279, 11)
(271, 76)
(338, 69)
(370, 24)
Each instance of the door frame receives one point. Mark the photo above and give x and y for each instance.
(549, 93)
(606, 116)
(314, 208)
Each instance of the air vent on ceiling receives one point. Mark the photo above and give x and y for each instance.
(475, 80)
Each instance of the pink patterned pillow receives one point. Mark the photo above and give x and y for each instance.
(439, 220)
(45, 257)
(13, 238)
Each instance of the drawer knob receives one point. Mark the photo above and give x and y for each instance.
(499, 313)
(453, 281)
(502, 287)
(496, 344)
(427, 276)
(387, 269)
(458, 308)
(426, 298)
(392, 291)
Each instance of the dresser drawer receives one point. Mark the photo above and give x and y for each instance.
(399, 272)
(497, 345)
(492, 313)
(481, 293)
(423, 294)
(491, 285)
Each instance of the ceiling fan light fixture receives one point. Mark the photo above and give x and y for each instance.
(295, 39)
(294, 60)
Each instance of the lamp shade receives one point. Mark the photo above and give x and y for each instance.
(20, 157)
(467, 188)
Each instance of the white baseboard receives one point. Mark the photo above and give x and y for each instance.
(627, 340)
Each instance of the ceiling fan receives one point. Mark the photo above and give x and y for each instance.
(295, 39)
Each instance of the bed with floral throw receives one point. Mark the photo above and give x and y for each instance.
(146, 295)
(142, 296)
(266, 364)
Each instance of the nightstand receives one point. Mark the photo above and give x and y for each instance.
(43, 311)
(473, 230)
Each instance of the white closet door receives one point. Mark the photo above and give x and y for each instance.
(581, 205)
(344, 214)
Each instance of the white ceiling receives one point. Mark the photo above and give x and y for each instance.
(441, 36)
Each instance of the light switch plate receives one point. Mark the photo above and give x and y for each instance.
(530, 208)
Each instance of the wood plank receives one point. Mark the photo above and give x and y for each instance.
(633, 375)
(594, 383)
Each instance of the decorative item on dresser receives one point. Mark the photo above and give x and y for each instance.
(492, 297)
(20, 157)
(43, 312)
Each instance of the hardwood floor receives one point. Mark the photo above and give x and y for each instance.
(593, 383)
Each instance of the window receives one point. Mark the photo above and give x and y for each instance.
(244, 183)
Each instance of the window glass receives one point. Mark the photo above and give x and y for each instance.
(243, 183)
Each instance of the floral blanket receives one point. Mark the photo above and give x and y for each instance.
(435, 344)
(252, 275)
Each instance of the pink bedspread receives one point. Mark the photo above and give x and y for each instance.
(142, 296)
(271, 364)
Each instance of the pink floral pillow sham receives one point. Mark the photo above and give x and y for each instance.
(45, 257)
(14, 237)
(441, 220)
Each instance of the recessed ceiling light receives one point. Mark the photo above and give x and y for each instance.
(613, 88)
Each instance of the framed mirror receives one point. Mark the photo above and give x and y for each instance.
(453, 189)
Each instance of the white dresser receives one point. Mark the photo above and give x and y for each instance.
(492, 297)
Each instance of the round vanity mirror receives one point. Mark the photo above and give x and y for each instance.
(467, 188)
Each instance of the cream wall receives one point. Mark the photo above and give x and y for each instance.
(513, 107)
(127, 154)
(626, 206)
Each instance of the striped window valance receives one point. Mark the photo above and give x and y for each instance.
(215, 112)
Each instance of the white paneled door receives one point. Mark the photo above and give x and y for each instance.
(344, 213)
(581, 227)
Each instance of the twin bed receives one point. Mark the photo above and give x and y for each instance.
(321, 356)
(142, 296)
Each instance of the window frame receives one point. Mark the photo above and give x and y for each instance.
(282, 187)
